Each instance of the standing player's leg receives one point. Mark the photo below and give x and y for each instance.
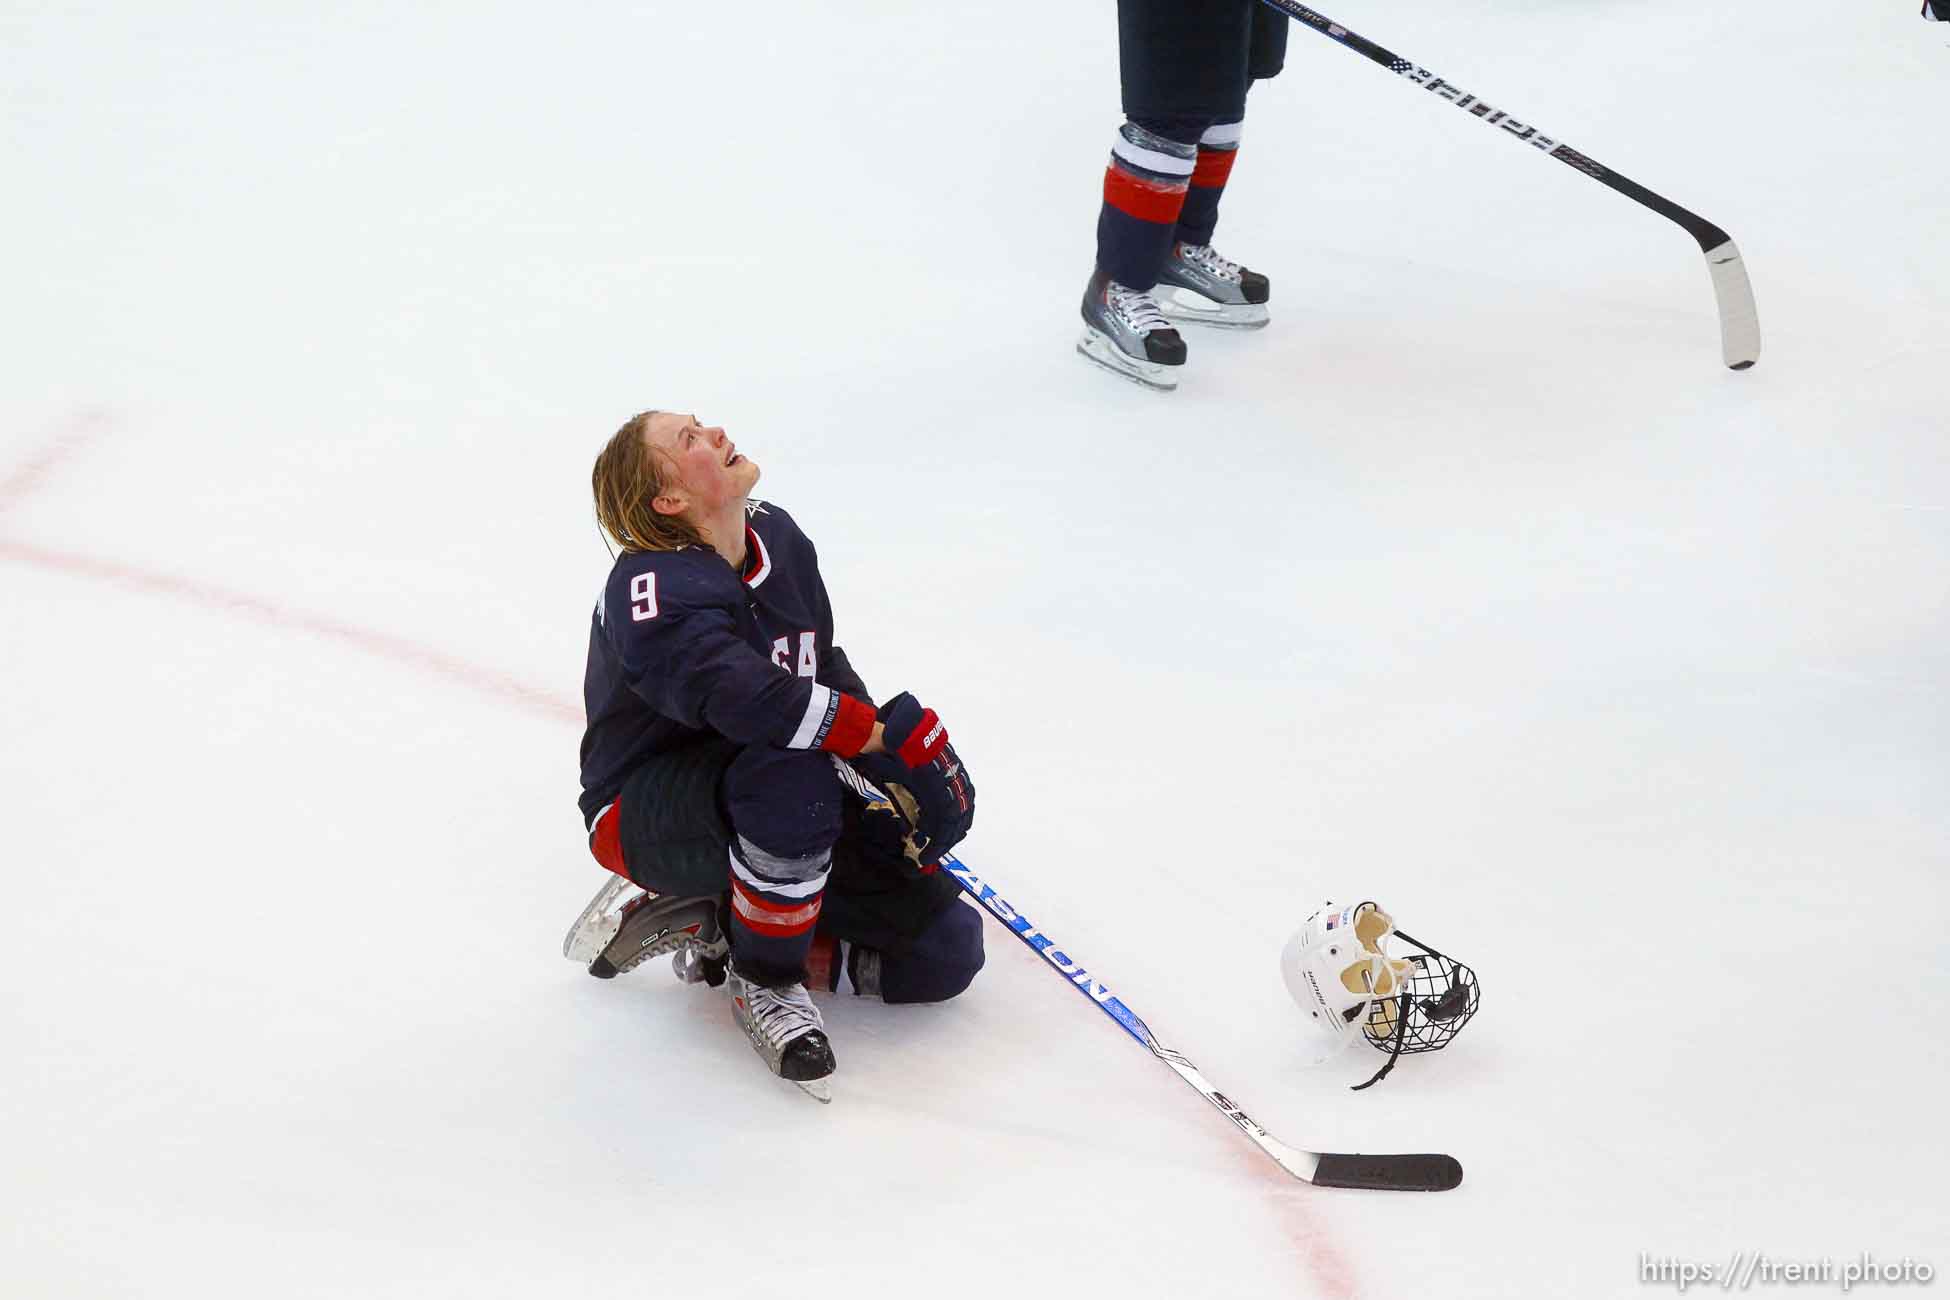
(1145, 182)
(1197, 283)
(1163, 50)
(1218, 148)
(1184, 65)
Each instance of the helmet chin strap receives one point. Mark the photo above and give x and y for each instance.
(1401, 1036)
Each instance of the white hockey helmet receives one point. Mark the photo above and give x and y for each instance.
(1337, 969)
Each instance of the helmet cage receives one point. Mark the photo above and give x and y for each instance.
(1438, 998)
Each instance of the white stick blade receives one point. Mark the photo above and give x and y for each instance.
(1739, 316)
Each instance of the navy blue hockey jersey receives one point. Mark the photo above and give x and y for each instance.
(681, 644)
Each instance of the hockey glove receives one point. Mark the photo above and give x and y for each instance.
(923, 775)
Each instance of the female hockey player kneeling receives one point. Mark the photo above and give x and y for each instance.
(718, 704)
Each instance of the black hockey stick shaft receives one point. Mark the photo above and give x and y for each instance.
(1708, 234)
(1739, 323)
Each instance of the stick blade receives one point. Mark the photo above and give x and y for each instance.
(1739, 315)
(1418, 1173)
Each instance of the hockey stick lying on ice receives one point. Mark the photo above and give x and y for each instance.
(1388, 1173)
(1739, 318)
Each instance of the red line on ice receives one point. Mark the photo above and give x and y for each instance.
(74, 434)
(1306, 1227)
(542, 703)
(83, 429)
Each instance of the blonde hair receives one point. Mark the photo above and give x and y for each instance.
(628, 476)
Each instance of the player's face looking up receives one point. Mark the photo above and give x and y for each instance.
(706, 475)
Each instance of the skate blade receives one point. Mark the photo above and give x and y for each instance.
(1195, 308)
(819, 1090)
(1094, 347)
(598, 923)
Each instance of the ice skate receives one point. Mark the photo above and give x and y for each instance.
(1200, 286)
(652, 925)
(624, 926)
(786, 1030)
(1124, 332)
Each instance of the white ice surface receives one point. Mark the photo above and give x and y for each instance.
(1474, 584)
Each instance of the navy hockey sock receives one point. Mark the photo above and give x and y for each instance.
(774, 909)
(1218, 147)
(1144, 189)
(785, 807)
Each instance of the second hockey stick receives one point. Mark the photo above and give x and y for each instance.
(1387, 1173)
(1732, 290)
